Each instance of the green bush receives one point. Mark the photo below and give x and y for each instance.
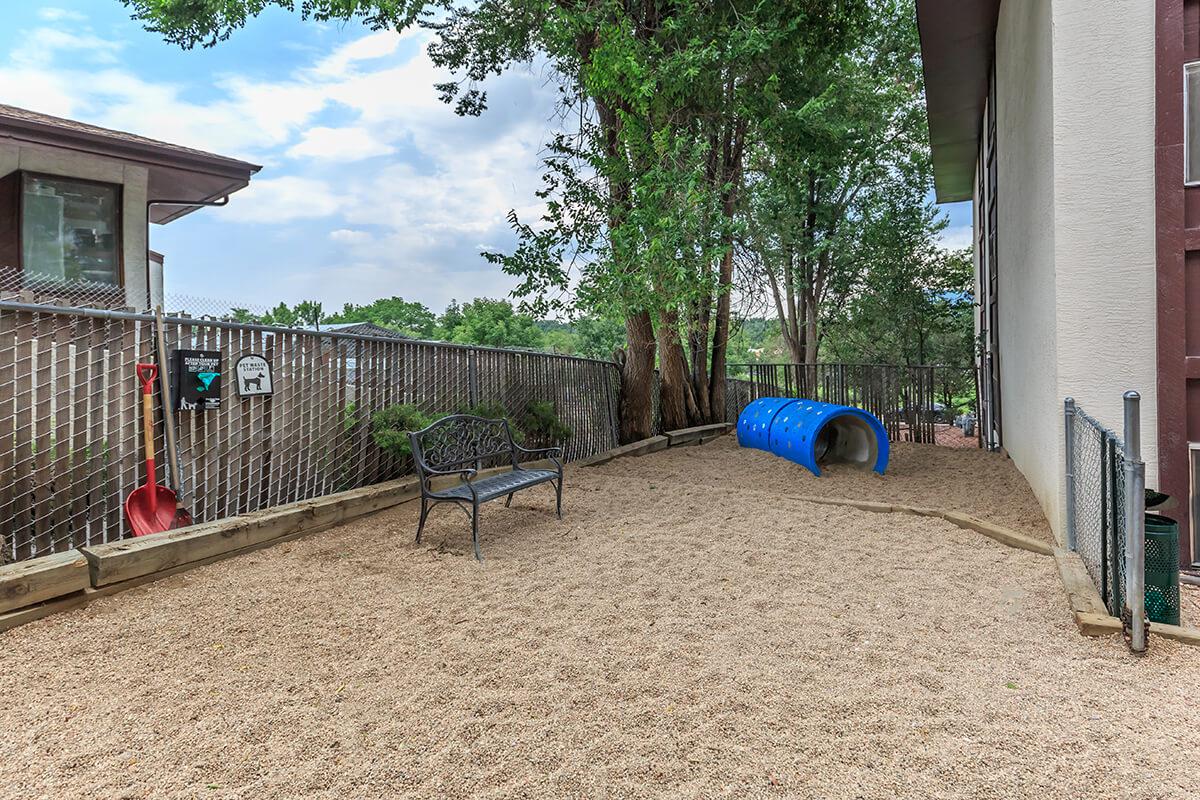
(495, 411)
(541, 422)
(390, 427)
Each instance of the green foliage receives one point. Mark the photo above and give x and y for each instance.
(390, 427)
(790, 137)
(188, 23)
(407, 317)
(493, 323)
(541, 422)
(494, 410)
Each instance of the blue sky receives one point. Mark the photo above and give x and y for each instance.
(370, 186)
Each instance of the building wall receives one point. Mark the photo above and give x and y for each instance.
(1075, 102)
(132, 177)
(1026, 229)
(1104, 210)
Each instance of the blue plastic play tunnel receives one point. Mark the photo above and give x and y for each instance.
(811, 433)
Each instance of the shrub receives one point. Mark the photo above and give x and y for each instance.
(541, 422)
(390, 427)
(495, 411)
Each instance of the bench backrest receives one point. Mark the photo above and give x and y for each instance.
(461, 440)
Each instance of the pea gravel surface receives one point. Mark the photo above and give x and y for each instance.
(689, 630)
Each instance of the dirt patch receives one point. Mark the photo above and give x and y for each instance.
(675, 636)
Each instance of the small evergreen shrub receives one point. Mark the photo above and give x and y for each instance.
(390, 427)
(495, 411)
(541, 422)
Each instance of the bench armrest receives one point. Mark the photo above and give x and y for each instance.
(429, 473)
(553, 453)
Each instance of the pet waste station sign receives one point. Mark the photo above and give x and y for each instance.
(197, 378)
(253, 375)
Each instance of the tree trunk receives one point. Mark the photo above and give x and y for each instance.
(731, 173)
(720, 348)
(677, 406)
(698, 345)
(637, 379)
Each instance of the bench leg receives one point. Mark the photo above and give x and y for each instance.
(424, 514)
(508, 502)
(475, 531)
(558, 497)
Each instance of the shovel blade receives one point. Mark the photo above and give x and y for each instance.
(142, 520)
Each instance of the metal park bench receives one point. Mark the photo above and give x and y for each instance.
(459, 445)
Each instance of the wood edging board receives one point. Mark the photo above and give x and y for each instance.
(110, 568)
(689, 435)
(638, 448)
(27, 583)
(131, 558)
(999, 533)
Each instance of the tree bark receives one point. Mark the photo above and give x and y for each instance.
(637, 379)
(677, 405)
(731, 174)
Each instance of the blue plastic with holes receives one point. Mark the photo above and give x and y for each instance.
(754, 423)
(796, 430)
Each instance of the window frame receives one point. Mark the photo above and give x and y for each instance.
(119, 224)
(1188, 68)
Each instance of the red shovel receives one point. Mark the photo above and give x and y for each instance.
(150, 508)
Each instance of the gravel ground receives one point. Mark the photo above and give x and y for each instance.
(983, 484)
(687, 631)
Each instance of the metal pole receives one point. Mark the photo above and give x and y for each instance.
(1069, 424)
(472, 379)
(1135, 524)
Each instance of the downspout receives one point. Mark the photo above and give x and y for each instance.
(224, 201)
(173, 460)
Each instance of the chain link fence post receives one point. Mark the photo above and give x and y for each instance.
(1135, 524)
(1069, 425)
(472, 379)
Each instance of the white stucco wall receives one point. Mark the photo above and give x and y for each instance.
(132, 177)
(1104, 209)
(1026, 228)
(1075, 101)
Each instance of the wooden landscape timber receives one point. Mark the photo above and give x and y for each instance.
(26, 583)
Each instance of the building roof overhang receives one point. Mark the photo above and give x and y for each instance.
(177, 175)
(957, 47)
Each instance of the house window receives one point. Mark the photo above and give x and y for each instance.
(1191, 124)
(70, 230)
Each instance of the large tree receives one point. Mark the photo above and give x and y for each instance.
(690, 132)
(840, 184)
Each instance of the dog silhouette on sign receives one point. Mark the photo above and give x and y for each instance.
(247, 382)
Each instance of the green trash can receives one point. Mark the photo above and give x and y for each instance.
(1162, 569)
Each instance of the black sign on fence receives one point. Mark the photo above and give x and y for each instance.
(196, 375)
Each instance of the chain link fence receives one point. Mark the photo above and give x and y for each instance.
(1098, 499)
(70, 424)
(903, 398)
(1106, 511)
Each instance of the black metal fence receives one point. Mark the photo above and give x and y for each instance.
(903, 398)
(1096, 495)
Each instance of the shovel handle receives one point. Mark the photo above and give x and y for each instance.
(146, 374)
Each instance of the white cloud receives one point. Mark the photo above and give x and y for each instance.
(372, 46)
(448, 181)
(347, 236)
(339, 144)
(286, 199)
(52, 14)
(41, 46)
(956, 238)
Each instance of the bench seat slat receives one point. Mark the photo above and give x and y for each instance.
(497, 485)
